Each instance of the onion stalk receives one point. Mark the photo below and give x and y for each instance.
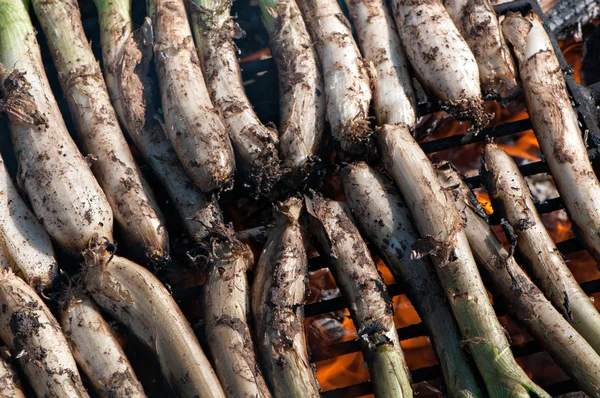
(10, 383)
(127, 55)
(23, 240)
(96, 349)
(512, 200)
(226, 312)
(444, 238)
(555, 125)
(478, 24)
(192, 123)
(34, 337)
(131, 199)
(348, 77)
(394, 99)
(135, 297)
(524, 300)
(254, 143)
(384, 219)
(441, 58)
(358, 278)
(278, 294)
(301, 91)
(61, 188)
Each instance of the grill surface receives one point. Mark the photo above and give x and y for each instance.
(583, 102)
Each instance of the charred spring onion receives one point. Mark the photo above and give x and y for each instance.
(347, 75)
(61, 188)
(524, 300)
(227, 306)
(477, 22)
(133, 204)
(358, 278)
(96, 349)
(438, 221)
(136, 298)
(441, 58)
(34, 337)
(127, 57)
(301, 91)
(255, 144)
(384, 219)
(192, 124)
(278, 294)
(23, 240)
(512, 199)
(393, 95)
(555, 125)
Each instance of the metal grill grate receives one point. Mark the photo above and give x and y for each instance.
(583, 102)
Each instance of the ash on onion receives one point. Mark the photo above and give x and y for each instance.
(384, 219)
(23, 241)
(301, 90)
(96, 349)
(134, 208)
(278, 294)
(348, 77)
(441, 58)
(61, 188)
(357, 277)
(394, 99)
(127, 55)
(444, 238)
(254, 143)
(226, 309)
(34, 337)
(10, 383)
(137, 299)
(477, 22)
(511, 198)
(524, 300)
(555, 125)
(192, 123)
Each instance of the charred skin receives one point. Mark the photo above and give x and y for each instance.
(137, 299)
(278, 294)
(347, 76)
(134, 208)
(393, 95)
(10, 383)
(511, 198)
(192, 123)
(441, 58)
(383, 217)
(477, 22)
(226, 310)
(301, 91)
(556, 126)
(444, 238)
(358, 278)
(96, 349)
(127, 57)
(524, 300)
(23, 240)
(34, 336)
(61, 188)
(255, 144)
